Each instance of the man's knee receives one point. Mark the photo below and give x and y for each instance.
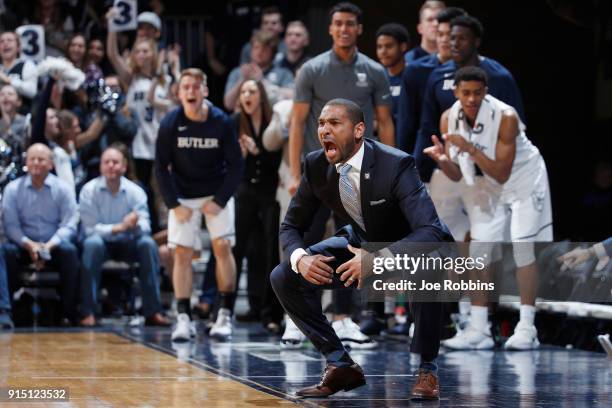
(146, 244)
(10, 251)
(524, 253)
(222, 247)
(278, 276)
(66, 249)
(183, 255)
(93, 244)
(67, 257)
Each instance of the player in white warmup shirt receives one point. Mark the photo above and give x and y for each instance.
(486, 147)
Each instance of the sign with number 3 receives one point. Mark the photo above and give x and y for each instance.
(32, 39)
(124, 18)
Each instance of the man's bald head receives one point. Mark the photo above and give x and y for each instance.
(39, 161)
(40, 148)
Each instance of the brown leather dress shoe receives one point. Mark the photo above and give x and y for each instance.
(335, 379)
(426, 386)
(88, 321)
(157, 319)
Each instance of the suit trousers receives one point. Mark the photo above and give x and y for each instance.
(341, 300)
(301, 301)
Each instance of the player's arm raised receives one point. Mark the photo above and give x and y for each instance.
(439, 152)
(112, 52)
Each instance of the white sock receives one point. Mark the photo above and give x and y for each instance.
(464, 307)
(389, 306)
(527, 314)
(479, 316)
(224, 311)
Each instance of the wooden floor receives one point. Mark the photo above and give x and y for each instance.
(104, 370)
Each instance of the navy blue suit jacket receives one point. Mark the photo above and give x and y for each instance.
(394, 202)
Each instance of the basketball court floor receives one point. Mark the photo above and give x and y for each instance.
(123, 366)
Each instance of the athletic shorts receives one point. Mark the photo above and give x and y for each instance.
(447, 196)
(521, 213)
(188, 234)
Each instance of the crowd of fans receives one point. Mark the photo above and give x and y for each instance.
(78, 144)
(80, 126)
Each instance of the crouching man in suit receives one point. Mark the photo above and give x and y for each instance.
(376, 190)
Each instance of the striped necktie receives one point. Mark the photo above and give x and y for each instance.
(349, 196)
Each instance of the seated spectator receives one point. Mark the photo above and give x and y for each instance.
(277, 81)
(271, 22)
(116, 223)
(40, 216)
(6, 321)
(18, 72)
(297, 40)
(14, 132)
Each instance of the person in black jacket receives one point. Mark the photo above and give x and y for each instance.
(257, 210)
(376, 190)
(198, 166)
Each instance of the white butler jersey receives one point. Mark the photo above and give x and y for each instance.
(484, 136)
(143, 146)
(523, 202)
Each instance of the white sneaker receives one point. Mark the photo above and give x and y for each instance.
(222, 329)
(471, 338)
(525, 337)
(184, 329)
(293, 338)
(350, 335)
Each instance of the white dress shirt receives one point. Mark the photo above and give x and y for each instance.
(355, 174)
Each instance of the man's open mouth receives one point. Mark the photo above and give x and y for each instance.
(331, 149)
